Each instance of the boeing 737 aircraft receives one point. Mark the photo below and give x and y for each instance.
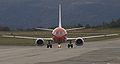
(59, 36)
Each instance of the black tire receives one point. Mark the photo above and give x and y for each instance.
(50, 46)
(68, 45)
(71, 45)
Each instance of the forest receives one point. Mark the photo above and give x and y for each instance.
(111, 24)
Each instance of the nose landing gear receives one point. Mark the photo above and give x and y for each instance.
(59, 46)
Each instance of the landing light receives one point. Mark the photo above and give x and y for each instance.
(59, 46)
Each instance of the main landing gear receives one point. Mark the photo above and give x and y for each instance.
(70, 45)
(49, 45)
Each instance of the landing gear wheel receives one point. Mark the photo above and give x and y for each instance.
(70, 45)
(49, 46)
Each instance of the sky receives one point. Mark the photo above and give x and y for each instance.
(44, 13)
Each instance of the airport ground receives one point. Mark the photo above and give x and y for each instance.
(99, 52)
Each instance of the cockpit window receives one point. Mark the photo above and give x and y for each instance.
(62, 33)
(59, 33)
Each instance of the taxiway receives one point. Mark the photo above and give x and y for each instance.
(100, 52)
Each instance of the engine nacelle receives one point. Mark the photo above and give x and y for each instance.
(39, 42)
(79, 41)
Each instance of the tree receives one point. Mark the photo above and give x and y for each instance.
(87, 26)
(4, 28)
(79, 25)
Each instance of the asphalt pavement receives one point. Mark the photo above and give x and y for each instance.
(99, 52)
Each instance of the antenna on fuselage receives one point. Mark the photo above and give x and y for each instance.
(60, 15)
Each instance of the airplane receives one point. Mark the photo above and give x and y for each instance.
(59, 36)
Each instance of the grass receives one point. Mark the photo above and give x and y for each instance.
(14, 41)
(76, 33)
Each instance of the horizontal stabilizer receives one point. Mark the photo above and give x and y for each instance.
(75, 28)
(44, 29)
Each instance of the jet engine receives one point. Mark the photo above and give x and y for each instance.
(39, 42)
(79, 41)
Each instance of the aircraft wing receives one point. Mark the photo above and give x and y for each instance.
(88, 37)
(24, 37)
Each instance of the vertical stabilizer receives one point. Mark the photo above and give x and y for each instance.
(60, 14)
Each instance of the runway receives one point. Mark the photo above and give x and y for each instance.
(100, 52)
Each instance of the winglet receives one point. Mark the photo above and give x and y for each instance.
(60, 14)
